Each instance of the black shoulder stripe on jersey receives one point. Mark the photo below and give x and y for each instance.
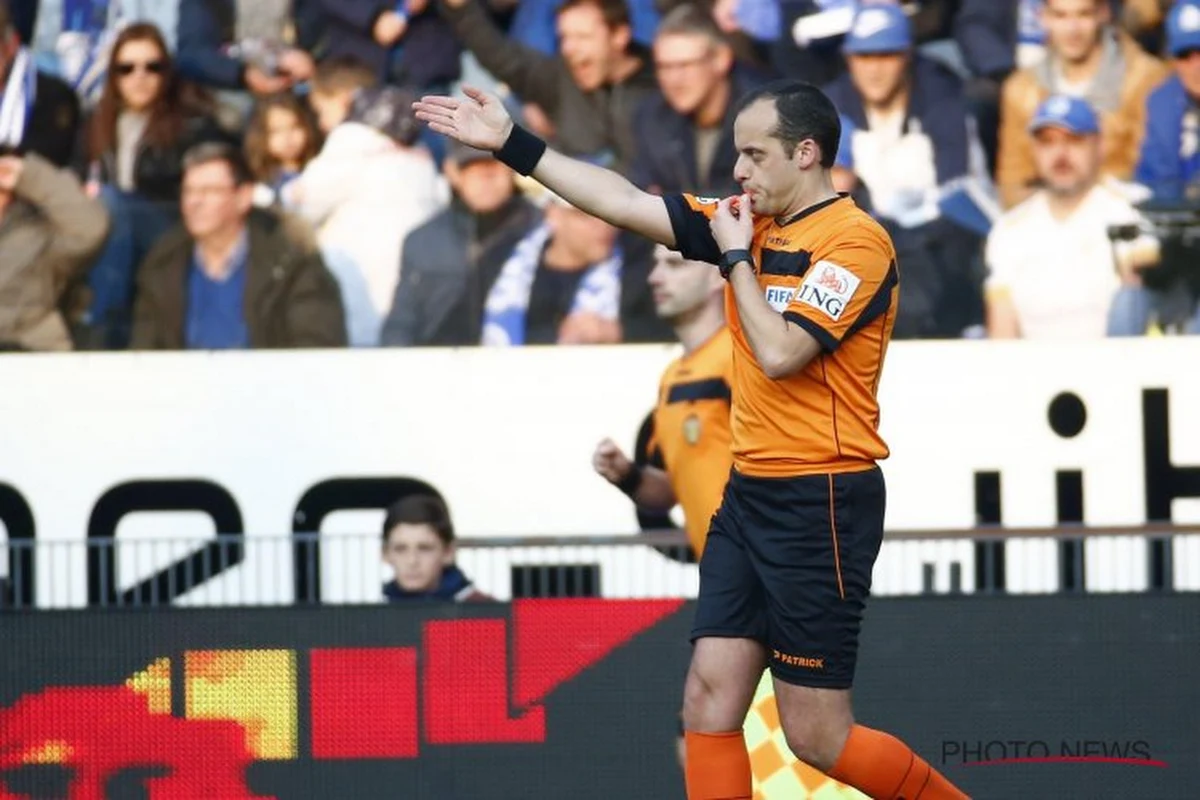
(708, 389)
(785, 263)
(879, 303)
(824, 338)
(693, 233)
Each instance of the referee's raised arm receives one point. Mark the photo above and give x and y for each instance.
(480, 120)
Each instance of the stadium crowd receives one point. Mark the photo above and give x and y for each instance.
(207, 174)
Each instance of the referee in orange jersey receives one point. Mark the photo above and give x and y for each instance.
(810, 303)
(690, 425)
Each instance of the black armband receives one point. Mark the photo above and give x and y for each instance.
(631, 482)
(522, 151)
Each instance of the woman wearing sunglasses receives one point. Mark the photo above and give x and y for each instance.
(146, 118)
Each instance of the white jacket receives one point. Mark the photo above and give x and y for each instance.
(364, 194)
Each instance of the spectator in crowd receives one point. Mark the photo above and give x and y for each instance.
(912, 134)
(1054, 274)
(419, 546)
(233, 276)
(240, 47)
(334, 85)
(49, 231)
(589, 93)
(369, 187)
(684, 133)
(449, 263)
(1090, 59)
(280, 141)
(143, 124)
(571, 280)
(912, 144)
(404, 44)
(1169, 163)
(38, 112)
(73, 39)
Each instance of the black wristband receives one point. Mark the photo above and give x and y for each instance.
(730, 259)
(522, 150)
(631, 482)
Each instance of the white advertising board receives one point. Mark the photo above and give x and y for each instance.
(506, 436)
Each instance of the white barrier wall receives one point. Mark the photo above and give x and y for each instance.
(506, 436)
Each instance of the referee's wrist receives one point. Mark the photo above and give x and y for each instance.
(631, 482)
(731, 258)
(521, 150)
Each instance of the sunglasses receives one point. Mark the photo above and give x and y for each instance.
(150, 67)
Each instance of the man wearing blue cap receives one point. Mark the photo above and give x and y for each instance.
(1090, 58)
(914, 146)
(1050, 260)
(912, 132)
(1169, 162)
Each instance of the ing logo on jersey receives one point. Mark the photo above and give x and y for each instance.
(829, 288)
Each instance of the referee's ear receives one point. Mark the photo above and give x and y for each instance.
(807, 155)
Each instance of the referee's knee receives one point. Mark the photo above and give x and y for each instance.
(816, 733)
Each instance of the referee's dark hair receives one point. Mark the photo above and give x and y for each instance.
(804, 113)
(216, 150)
(420, 509)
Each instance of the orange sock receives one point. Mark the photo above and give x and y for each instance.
(718, 766)
(881, 766)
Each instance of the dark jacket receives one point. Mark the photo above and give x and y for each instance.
(158, 171)
(586, 123)
(454, 586)
(291, 299)
(937, 102)
(53, 124)
(666, 142)
(428, 54)
(442, 289)
(446, 273)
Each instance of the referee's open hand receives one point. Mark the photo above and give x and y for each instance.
(479, 119)
(733, 224)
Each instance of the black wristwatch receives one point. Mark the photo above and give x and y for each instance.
(731, 257)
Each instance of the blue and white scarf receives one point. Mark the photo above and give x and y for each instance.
(83, 46)
(507, 303)
(16, 104)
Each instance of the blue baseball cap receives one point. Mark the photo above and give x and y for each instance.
(1068, 113)
(879, 28)
(1183, 27)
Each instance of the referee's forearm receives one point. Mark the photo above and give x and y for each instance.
(765, 328)
(596, 190)
(655, 492)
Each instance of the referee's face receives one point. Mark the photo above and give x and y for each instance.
(770, 177)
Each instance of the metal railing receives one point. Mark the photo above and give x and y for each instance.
(309, 568)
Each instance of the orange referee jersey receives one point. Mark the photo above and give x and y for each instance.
(691, 431)
(831, 269)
